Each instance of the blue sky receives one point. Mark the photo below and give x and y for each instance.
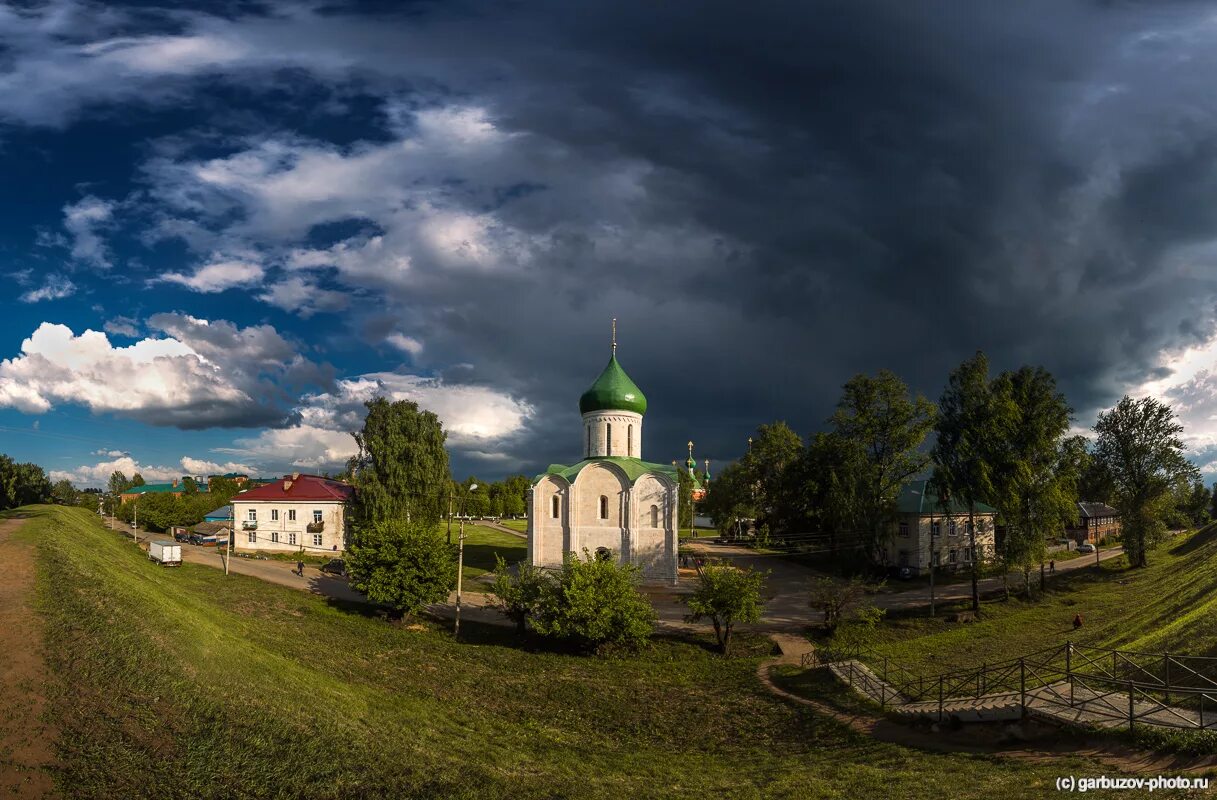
(225, 228)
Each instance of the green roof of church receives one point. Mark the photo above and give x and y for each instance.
(613, 391)
(634, 468)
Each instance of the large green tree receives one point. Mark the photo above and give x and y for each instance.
(879, 420)
(731, 500)
(401, 469)
(22, 484)
(771, 453)
(831, 471)
(1034, 483)
(404, 565)
(969, 425)
(1140, 447)
(64, 493)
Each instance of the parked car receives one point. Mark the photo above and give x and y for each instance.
(335, 566)
(1086, 547)
(181, 535)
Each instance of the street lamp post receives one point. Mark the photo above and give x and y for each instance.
(460, 561)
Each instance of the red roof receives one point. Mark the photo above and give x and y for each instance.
(302, 487)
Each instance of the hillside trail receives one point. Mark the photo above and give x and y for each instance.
(980, 740)
(27, 744)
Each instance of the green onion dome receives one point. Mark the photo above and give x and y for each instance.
(613, 391)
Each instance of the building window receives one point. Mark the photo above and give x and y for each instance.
(554, 508)
(603, 554)
(603, 507)
(904, 529)
(936, 529)
(316, 515)
(654, 516)
(316, 540)
(951, 531)
(291, 539)
(291, 515)
(253, 537)
(274, 537)
(629, 441)
(968, 527)
(608, 438)
(967, 555)
(253, 515)
(274, 514)
(953, 556)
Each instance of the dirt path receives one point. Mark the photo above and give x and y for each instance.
(984, 740)
(26, 744)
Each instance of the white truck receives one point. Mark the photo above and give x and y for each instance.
(167, 554)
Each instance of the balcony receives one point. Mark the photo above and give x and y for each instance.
(315, 527)
(249, 525)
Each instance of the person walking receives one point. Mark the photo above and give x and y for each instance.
(1052, 567)
(300, 568)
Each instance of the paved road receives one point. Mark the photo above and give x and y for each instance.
(788, 582)
(786, 607)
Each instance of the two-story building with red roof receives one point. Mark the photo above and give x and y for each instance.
(297, 513)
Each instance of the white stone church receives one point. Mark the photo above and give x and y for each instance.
(611, 502)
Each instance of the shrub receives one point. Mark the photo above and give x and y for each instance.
(727, 595)
(836, 599)
(518, 595)
(405, 565)
(594, 602)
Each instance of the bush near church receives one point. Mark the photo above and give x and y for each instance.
(594, 602)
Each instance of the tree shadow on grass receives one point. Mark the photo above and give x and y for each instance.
(1204, 536)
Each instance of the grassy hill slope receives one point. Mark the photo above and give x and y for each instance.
(186, 683)
(1169, 606)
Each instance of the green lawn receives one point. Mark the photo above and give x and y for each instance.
(481, 545)
(520, 525)
(187, 683)
(1169, 606)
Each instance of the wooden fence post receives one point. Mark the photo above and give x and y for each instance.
(940, 698)
(1069, 669)
(1022, 682)
(1130, 708)
(1166, 675)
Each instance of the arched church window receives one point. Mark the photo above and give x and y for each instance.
(654, 516)
(629, 441)
(608, 438)
(554, 507)
(603, 507)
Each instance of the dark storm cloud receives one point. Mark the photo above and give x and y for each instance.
(891, 185)
(770, 198)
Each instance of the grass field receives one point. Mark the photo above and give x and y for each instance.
(481, 545)
(1169, 606)
(520, 525)
(187, 683)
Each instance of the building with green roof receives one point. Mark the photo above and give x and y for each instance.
(611, 502)
(928, 527)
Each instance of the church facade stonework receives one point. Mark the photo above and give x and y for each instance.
(611, 503)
